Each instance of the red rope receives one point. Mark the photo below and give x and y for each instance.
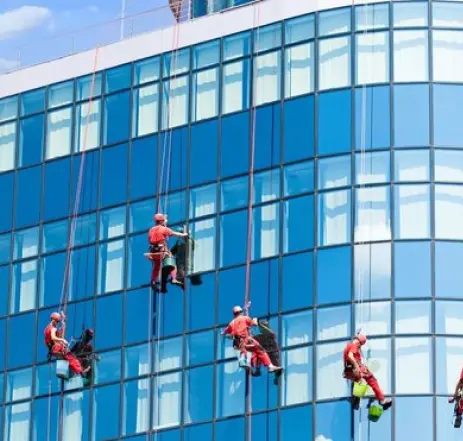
(64, 296)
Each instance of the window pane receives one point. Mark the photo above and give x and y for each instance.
(296, 422)
(236, 46)
(235, 136)
(146, 71)
(298, 216)
(26, 243)
(56, 189)
(372, 168)
(329, 364)
(109, 327)
(233, 225)
(235, 89)
(106, 414)
(411, 352)
(412, 267)
(328, 412)
(168, 354)
(265, 231)
(8, 108)
(5, 247)
(205, 94)
(297, 328)
(85, 227)
(298, 178)
(89, 191)
(448, 132)
(267, 37)
(60, 94)
(411, 165)
(176, 62)
(333, 323)
(299, 29)
(448, 317)
(32, 102)
(59, 132)
(448, 166)
(411, 109)
(297, 378)
(372, 17)
(203, 152)
(114, 163)
(23, 324)
(373, 317)
(31, 141)
(19, 385)
(298, 293)
(118, 78)
(412, 317)
(299, 70)
(447, 15)
(267, 77)
(108, 369)
(199, 394)
(167, 401)
(175, 102)
(230, 390)
(117, 117)
(87, 121)
(447, 269)
(410, 56)
(373, 58)
(7, 146)
(28, 192)
(136, 406)
(206, 54)
(334, 218)
(24, 286)
(200, 348)
(137, 361)
(234, 193)
(407, 15)
(112, 222)
(449, 208)
(447, 51)
(145, 111)
(334, 172)
(76, 416)
(411, 218)
(203, 201)
(335, 59)
(111, 266)
(140, 215)
(17, 421)
(334, 22)
(89, 86)
(45, 410)
(204, 235)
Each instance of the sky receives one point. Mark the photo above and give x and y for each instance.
(40, 30)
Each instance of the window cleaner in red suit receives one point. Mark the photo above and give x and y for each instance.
(239, 330)
(457, 398)
(58, 346)
(355, 369)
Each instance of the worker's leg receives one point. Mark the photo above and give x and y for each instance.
(373, 383)
(156, 269)
(74, 363)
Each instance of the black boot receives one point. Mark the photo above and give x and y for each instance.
(457, 422)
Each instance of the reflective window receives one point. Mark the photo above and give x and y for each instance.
(168, 354)
(371, 16)
(8, 108)
(333, 323)
(44, 410)
(206, 54)
(137, 270)
(334, 172)
(175, 102)
(334, 122)
(235, 89)
(411, 109)
(411, 352)
(326, 414)
(114, 163)
(231, 286)
(60, 94)
(21, 325)
(265, 231)
(298, 217)
(201, 307)
(299, 70)
(30, 149)
(116, 118)
(297, 292)
(140, 215)
(42, 379)
(26, 243)
(412, 317)
(205, 94)
(448, 211)
(335, 59)
(76, 418)
(447, 15)
(448, 364)
(136, 406)
(235, 144)
(27, 210)
(411, 217)
(24, 286)
(112, 222)
(447, 50)
(412, 268)
(372, 168)
(334, 289)
(59, 132)
(407, 15)
(5, 247)
(167, 400)
(106, 414)
(234, 193)
(373, 58)
(227, 430)
(298, 178)
(267, 81)
(232, 226)
(143, 167)
(89, 86)
(334, 22)
(200, 348)
(109, 326)
(296, 422)
(19, 385)
(236, 46)
(203, 201)
(82, 275)
(297, 328)
(136, 310)
(203, 152)
(444, 430)
(32, 102)
(448, 317)
(56, 189)
(448, 132)
(17, 421)
(199, 394)
(373, 317)
(90, 175)
(448, 165)
(410, 56)
(54, 236)
(108, 369)
(51, 279)
(88, 126)
(380, 432)
(118, 78)
(111, 266)
(85, 229)
(297, 376)
(204, 234)
(334, 217)
(145, 111)
(328, 364)
(419, 417)
(267, 37)
(447, 269)
(230, 390)
(7, 146)
(300, 29)
(137, 360)
(411, 165)
(146, 71)
(176, 62)
(266, 186)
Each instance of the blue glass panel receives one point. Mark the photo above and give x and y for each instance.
(234, 193)
(297, 423)
(414, 418)
(411, 109)
(45, 409)
(28, 190)
(109, 326)
(85, 229)
(6, 190)
(267, 37)
(146, 71)
(118, 78)
(334, 289)
(141, 215)
(334, 172)
(176, 207)
(379, 431)
(229, 391)
(199, 394)
(111, 266)
(371, 16)
(25, 243)
(203, 201)
(171, 313)
(202, 432)
(114, 191)
(175, 145)
(117, 118)
(167, 407)
(24, 286)
(236, 86)
(236, 46)
(407, 15)
(143, 167)
(5, 248)
(299, 128)
(176, 62)
(31, 140)
(203, 155)
(168, 435)
(32, 102)
(108, 369)
(89, 86)
(297, 291)
(267, 136)
(231, 292)
(334, 22)
(112, 222)
(333, 421)
(234, 144)
(90, 173)
(138, 268)
(334, 122)
(372, 123)
(87, 132)
(82, 270)
(297, 328)
(60, 94)
(200, 348)
(412, 267)
(21, 325)
(264, 287)
(136, 407)
(298, 217)
(8, 108)
(106, 413)
(145, 110)
(19, 385)
(4, 286)
(201, 304)
(266, 186)
(137, 310)
(232, 226)
(42, 379)
(300, 29)
(448, 132)
(448, 276)
(411, 165)
(137, 360)
(298, 178)
(334, 217)
(206, 54)
(8, 146)
(17, 421)
(3, 346)
(76, 406)
(56, 189)
(51, 279)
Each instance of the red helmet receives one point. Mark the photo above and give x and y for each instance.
(237, 310)
(159, 217)
(56, 316)
(362, 338)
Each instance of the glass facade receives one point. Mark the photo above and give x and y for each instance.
(357, 201)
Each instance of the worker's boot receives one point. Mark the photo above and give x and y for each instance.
(257, 372)
(387, 403)
(457, 422)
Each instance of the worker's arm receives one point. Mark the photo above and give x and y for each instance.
(227, 330)
(176, 234)
(55, 338)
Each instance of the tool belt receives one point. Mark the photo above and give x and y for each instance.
(159, 248)
(245, 343)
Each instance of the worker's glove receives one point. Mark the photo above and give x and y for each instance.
(451, 400)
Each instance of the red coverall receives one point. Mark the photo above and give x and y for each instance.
(364, 371)
(58, 349)
(239, 328)
(157, 237)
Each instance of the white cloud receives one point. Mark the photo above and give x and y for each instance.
(20, 20)
(322, 438)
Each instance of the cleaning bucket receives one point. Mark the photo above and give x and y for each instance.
(360, 389)
(374, 413)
